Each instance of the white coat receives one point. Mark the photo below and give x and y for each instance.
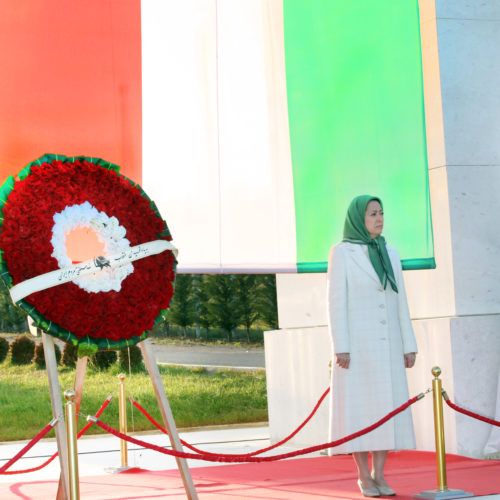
(374, 326)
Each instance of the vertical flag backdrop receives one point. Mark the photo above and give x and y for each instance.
(356, 113)
(251, 124)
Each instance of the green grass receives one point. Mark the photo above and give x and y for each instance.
(197, 398)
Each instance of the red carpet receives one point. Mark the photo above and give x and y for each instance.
(408, 472)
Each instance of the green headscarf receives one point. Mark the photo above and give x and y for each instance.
(355, 232)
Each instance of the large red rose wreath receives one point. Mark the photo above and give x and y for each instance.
(53, 195)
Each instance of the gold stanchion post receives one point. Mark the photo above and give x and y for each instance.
(122, 411)
(70, 414)
(437, 389)
(330, 368)
(442, 491)
(123, 421)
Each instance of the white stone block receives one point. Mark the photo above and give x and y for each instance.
(470, 76)
(302, 300)
(467, 9)
(297, 375)
(474, 211)
(475, 342)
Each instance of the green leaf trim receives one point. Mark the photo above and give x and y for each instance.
(25, 172)
(49, 158)
(85, 344)
(5, 191)
(161, 318)
(4, 271)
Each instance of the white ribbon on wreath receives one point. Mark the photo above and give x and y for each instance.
(100, 274)
(91, 266)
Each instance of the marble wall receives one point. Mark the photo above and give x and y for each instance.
(456, 307)
(464, 198)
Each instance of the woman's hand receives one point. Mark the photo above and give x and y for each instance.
(410, 359)
(343, 359)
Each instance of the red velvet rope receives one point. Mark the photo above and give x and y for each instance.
(97, 415)
(158, 426)
(28, 447)
(211, 457)
(47, 462)
(470, 413)
(258, 452)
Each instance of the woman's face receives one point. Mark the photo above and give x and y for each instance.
(374, 218)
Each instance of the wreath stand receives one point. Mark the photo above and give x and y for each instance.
(57, 411)
(23, 217)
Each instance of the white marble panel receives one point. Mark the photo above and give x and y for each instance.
(467, 9)
(427, 10)
(474, 212)
(434, 131)
(470, 77)
(476, 361)
(301, 300)
(297, 375)
(431, 292)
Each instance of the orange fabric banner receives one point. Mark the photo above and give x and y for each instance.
(71, 82)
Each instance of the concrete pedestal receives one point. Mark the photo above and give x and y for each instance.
(467, 349)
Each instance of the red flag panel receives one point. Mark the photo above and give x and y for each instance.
(71, 82)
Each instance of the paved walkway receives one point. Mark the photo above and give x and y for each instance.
(210, 355)
(97, 454)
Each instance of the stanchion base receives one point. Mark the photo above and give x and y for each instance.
(433, 494)
(115, 470)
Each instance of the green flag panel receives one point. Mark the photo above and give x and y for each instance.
(357, 126)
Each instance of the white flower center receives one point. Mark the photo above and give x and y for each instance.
(108, 230)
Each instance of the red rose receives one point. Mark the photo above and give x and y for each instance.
(25, 239)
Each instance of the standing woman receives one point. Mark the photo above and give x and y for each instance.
(373, 344)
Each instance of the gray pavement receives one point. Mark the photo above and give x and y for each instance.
(98, 454)
(210, 355)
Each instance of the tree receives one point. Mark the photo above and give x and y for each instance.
(222, 304)
(102, 360)
(182, 309)
(22, 350)
(163, 328)
(196, 298)
(69, 355)
(130, 358)
(12, 318)
(268, 302)
(204, 317)
(247, 299)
